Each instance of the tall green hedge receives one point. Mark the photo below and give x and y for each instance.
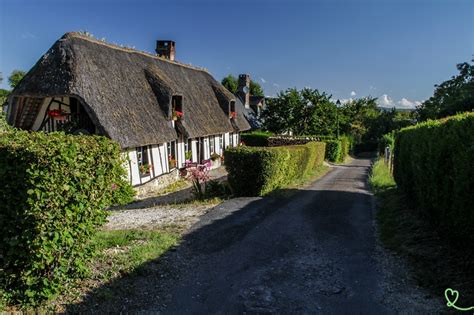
(333, 150)
(256, 171)
(434, 166)
(55, 188)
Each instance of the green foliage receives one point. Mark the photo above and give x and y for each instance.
(256, 171)
(3, 97)
(230, 83)
(333, 150)
(218, 189)
(55, 188)
(255, 89)
(381, 178)
(450, 97)
(433, 166)
(256, 138)
(15, 77)
(305, 112)
(4, 126)
(387, 140)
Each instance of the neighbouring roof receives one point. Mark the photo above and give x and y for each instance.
(128, 92)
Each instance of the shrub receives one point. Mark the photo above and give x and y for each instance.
(433, 166)
(333, 150)
(347, 143)
(55, 188)
(257, 171)
(387, 140)
(256, 138)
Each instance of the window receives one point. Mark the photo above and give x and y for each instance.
(212, 144)
(188, 149)
(143, 163)
(177, 107)
(232, 112)
(221, 143)
(231, 139)
(172, 154)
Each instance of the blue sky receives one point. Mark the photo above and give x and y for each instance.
(394, 50)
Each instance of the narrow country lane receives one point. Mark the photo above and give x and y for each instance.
(312, 252)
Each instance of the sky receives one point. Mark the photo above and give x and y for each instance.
(393, 50)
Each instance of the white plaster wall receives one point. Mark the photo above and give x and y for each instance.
(206, 148)
(164, 157)
(226, 140)
(180, 153)
(194, 148)
(236, 139)
(157, 168)
(135, 173)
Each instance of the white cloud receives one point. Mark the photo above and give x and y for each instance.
(385, 101)
(353, 93)
(345, 100)
(371, 87)
(263, 80)
(407, 103)
(276, 85)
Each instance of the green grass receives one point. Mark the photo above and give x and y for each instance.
(436, 262)
(121, 251)
(381, 178)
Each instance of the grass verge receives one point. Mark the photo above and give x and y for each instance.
(437, 263)
(119, 253)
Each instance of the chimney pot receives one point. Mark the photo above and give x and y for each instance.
(166, 49)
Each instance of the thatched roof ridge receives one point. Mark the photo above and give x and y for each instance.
(127, 49)
(128, 93)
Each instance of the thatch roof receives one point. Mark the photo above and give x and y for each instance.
(128, 93)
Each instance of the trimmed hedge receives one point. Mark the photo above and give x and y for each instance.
(434, 166)
(55, 188)
(256, 171)
(333, 150)
(256, 138)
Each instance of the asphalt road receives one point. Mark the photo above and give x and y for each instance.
(312, 251)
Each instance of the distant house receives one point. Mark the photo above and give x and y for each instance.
(253, 105)
(160, 111)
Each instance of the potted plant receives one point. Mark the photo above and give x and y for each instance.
(145, 169)
(233, 115)
(172, 162)
(188, 156)
(177, 115)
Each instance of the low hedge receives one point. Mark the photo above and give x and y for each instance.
(256, 138)
(55, 188)
(256, 171)
(433, 166)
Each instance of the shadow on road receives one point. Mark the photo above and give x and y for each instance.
(227, 224)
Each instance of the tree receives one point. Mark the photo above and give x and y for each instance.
(15, 77)
(255, 89)
(450, 97)
(231, 83)
(305, 112)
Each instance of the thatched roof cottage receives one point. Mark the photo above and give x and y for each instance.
(253, 105)
(162, 112)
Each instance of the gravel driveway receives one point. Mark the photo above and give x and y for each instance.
(312, 252)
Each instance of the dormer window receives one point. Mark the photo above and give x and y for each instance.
(177, 107)
(232, 112)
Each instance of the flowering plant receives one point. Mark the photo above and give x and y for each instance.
(177, 115)
(233, 115)
(57, 114)
(197, 175)
(172, 162)
(145, 168)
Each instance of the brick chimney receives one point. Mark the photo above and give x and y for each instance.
(243, 90)
(166, 49)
